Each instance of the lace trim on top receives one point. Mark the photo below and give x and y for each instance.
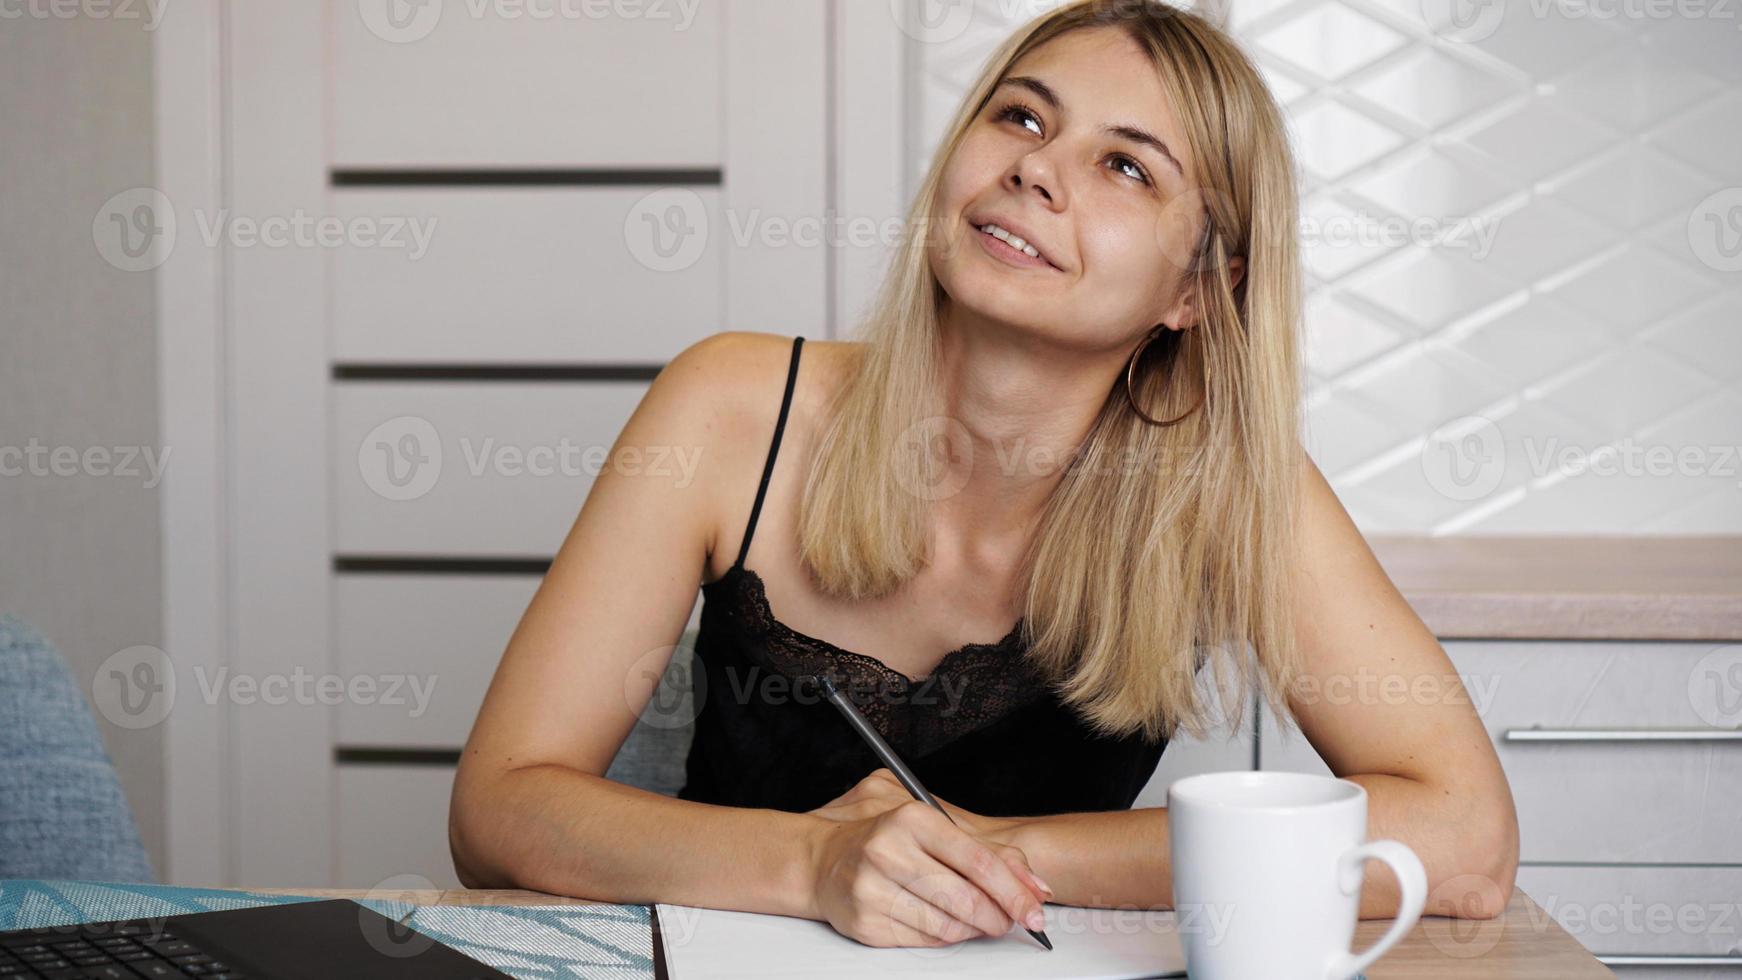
(971, 687)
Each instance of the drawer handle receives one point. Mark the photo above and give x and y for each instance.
(1719, 960)
(1623, 735)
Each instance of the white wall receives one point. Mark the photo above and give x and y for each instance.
(79, 553)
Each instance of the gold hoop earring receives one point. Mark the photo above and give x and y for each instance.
(1130, 370)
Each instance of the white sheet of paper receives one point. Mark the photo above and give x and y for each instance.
(1088, 944)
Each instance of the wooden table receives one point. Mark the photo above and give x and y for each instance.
(1523, 944)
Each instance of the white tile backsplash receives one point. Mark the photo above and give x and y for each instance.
(1593, 145)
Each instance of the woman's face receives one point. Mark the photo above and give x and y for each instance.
(1112, 215)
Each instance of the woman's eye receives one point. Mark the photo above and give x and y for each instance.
(1015, 111)
(1120, 158)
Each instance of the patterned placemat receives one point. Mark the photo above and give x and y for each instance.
(614, 942)
(609, 942)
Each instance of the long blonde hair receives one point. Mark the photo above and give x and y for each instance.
(1135, 575)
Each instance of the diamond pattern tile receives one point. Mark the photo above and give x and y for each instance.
(1330, 40)
(1633, 185)
(1332, 139)
(1707, 338)
(1430, 287)
(1339, 337)
(1537, 140)
(1707, 139)
(1541, 238)
(1337, 238)
(1632, 88)
(1534, 341)
(1428, 183)
(1584, 317)
(1431, 88)
(1633, 287)
(1623, 392)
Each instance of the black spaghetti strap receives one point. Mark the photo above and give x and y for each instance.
(773, 451)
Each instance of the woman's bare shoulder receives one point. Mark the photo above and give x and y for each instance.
(722, 397)
(741, 374)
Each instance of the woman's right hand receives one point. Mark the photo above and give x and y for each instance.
(910, 877)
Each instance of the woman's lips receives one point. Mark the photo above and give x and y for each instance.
(1002, 251)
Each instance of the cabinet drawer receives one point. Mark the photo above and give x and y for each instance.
(529, 276)
(498, 85)
(436, 638)
(1685, 915)
(1610, 748)
(446, 632)
(493, 469)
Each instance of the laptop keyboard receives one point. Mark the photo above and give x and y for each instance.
(106, 951)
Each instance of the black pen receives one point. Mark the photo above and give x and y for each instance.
(893, 761)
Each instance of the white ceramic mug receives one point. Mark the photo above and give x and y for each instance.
(1267, 870)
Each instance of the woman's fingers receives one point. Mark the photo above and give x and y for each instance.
(979, 865)
(926, 911)
(1018, 862)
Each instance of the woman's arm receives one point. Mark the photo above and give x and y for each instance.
(530, 806)
(1384, 707)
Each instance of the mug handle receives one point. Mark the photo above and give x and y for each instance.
(1410, 875)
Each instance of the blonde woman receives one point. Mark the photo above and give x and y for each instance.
(1060, 472)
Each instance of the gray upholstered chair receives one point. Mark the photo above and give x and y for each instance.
(62, 813)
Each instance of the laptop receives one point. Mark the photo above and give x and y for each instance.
(332, 939)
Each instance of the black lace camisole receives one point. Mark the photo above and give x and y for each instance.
(983, 730)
